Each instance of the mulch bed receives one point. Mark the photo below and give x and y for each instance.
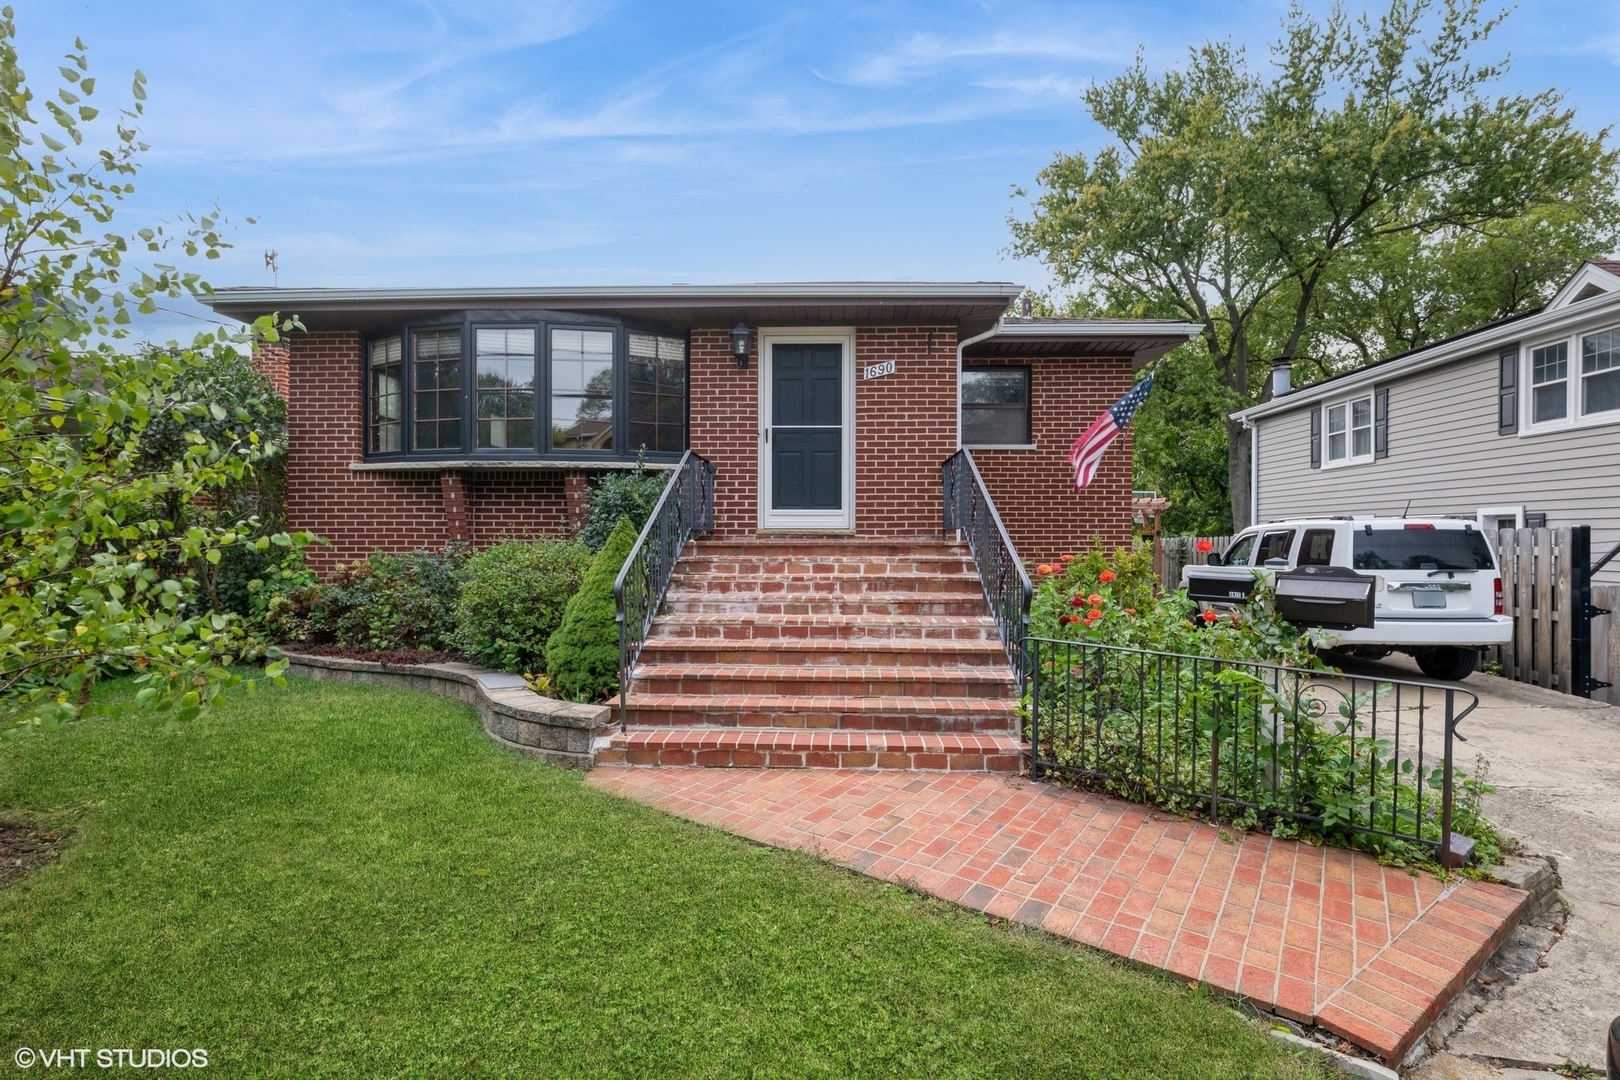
(24, 848)
(380, 656)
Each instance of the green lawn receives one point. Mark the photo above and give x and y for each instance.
(336, 880)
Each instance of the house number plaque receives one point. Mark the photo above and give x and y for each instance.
(877, 371)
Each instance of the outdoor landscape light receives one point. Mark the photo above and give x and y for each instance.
(739, 344)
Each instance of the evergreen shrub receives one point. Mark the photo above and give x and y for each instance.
(582, 657)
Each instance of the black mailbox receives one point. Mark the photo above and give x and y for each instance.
(1214, 589)
(1332, 597)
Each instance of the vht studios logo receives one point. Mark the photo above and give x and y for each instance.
(83, 1057)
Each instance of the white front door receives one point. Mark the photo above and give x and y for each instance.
(807, 430)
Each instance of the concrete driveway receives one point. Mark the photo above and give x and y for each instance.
(1555, 764)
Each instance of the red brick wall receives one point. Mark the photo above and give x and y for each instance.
(270, 360)
(359, 513)
(905, 425)
(1034, 489)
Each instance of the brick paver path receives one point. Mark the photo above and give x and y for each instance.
(1319, 935)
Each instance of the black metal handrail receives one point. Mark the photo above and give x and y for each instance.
(685, 506)
(1006, 583)
(1350, 754)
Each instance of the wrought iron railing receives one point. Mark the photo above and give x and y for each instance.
(1350, 755)
(1006, 583)
(686, 506)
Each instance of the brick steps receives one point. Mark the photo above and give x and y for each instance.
(776, 711)
(847, 585)
(807, 680)
(687, 602)
(825, 652)
(822, 654)
(725, 626)
(752, 748)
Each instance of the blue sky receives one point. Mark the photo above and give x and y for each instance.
(478, 142)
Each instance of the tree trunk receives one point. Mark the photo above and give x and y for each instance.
(1237, 473)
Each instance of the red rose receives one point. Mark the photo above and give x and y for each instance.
(1106, 576)
(1204, 545)
(1210, 616)
(1078, 601)
(1044, 568)
(1094, 613)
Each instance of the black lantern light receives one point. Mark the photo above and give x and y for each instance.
(739, 344)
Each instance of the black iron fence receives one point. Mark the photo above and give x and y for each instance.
(1006, 583)
(1348, 755)
(686, 506)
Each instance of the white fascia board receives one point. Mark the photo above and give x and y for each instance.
(1101, 329)
(681, 295)
(1544, 323)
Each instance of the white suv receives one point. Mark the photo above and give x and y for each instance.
(1437, 591)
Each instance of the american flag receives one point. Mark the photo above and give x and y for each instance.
(1089, 448)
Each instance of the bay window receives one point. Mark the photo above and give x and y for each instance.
(506, 389)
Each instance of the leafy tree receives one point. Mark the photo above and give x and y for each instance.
(92, 556)
(1253, 205)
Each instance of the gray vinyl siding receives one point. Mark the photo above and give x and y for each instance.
(1446, 457)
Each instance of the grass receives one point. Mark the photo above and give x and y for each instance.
(333, 880)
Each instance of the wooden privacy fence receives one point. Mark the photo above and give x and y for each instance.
(1181, 550)
(1538, 586)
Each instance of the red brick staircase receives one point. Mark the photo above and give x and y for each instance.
(852, 654)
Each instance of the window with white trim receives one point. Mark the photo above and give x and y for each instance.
(1349, 429)
(1573, 381)
(1549, 383)
(1600, 372)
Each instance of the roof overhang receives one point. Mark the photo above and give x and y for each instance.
(973, 307)
(1546, 322)
(1144, 340)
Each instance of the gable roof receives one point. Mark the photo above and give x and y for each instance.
(1570, 307)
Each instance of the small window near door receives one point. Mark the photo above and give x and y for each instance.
(995, 406)
(1316, 549)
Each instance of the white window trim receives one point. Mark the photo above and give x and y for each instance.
(1573, 418)
(1350, 458)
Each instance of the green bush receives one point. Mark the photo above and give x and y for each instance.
(389, 601)
(582, 657)
(628, 494)
(512, 600)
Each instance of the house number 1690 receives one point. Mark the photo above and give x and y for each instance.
(877, 371)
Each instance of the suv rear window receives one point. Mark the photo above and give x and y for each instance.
(1421, 549)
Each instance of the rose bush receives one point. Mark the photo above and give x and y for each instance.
(1137, 687)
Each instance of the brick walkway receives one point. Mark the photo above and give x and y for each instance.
(1318, 935)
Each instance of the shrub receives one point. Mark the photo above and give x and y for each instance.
(628, 494)
(512, 600)
(582, 657)
(389, 601)
(1141, 726)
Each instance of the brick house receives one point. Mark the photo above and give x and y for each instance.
(419, 417)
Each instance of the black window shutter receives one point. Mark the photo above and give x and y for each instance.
(1316, 438)
(1381, 422)
(1507, 392)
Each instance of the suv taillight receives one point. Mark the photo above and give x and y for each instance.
(1499, 596)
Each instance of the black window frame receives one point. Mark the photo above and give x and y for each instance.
(1029, 401)
(469, 323)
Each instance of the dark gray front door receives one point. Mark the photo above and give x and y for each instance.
(807, 432)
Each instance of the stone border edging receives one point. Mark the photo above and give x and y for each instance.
(561, 732)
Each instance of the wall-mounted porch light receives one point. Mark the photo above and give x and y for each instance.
(740, 335)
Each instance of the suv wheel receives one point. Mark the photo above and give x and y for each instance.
(1448, 663)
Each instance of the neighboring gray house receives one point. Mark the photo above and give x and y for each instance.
(1516, 423)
